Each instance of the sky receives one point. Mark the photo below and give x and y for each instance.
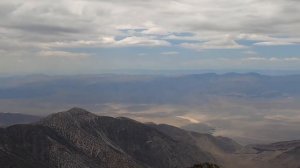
(96, 36)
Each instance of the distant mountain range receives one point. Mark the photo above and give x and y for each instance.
(77, 138)
(185, 89)
(7, 119)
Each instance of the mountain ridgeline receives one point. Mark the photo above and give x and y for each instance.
(182, 89)
(7, 119)
(77, 138)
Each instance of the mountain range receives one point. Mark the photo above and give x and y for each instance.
(77, 138)
(181, 89)
(7, 119)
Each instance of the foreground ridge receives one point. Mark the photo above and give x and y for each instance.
(77, 138)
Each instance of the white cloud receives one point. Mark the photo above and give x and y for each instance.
(273, 43)
(134, 41)
(141, 41)
(155, 31)
(273, 59)
(256, 59)
(292, 59)
(214, 44)
(62, 54)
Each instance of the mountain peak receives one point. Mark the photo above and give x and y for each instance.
(78, 111)
(73, 116)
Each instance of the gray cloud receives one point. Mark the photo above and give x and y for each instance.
(38, 26)
(103, 18)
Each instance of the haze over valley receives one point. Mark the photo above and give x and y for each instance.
(251, 108)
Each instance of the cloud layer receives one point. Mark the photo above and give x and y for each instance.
(37, 27)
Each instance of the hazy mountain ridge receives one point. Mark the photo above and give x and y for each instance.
(7, 119)
(287, 145)
(159, 89)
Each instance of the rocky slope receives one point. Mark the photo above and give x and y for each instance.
(276, 155)
(77, 138)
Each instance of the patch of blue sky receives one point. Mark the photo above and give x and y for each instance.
(246, 42)
(177, 42)
(278, 51)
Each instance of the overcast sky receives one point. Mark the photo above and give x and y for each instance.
(95, 36)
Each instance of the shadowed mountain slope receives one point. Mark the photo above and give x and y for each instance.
(77, 138)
